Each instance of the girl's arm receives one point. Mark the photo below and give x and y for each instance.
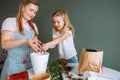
(55, 41)
(8, 42)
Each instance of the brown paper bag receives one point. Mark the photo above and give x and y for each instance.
(90, 60)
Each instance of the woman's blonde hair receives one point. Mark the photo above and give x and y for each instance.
(20, 15)
(67, 24)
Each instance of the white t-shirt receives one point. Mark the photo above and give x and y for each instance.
(66, 47)
(10, 24)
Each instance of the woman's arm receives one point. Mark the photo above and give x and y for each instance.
(8, 42)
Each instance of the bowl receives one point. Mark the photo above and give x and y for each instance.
(42, 76)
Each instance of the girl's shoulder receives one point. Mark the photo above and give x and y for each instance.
(56, 34)
(68, 31)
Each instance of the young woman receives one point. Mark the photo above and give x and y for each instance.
(18, 37)
(63, 36)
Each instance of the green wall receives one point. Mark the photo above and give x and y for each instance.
(96, 23)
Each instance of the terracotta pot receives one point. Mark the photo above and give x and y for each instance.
(42, 76)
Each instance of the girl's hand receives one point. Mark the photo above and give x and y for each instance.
(45, 47)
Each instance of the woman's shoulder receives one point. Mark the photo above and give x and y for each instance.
(10, 19)
(9, 24)
(36, 28)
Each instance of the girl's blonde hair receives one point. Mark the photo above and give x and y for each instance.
(67, 24)
(20, 15)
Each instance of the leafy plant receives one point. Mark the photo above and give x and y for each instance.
(56, 68)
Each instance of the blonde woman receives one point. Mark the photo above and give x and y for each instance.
(18, 37)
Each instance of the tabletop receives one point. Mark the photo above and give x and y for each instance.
(108, 74)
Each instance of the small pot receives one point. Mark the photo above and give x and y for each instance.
(42, 76)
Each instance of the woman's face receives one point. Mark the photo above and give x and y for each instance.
(29, 11)
(58, 22)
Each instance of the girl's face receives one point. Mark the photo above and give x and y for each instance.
(58, 22)
(29, 11)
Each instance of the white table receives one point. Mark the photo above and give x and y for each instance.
(109, 74)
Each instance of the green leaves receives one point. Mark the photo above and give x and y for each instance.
(56, 68)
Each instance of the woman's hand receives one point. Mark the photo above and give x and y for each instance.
(35, 44)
